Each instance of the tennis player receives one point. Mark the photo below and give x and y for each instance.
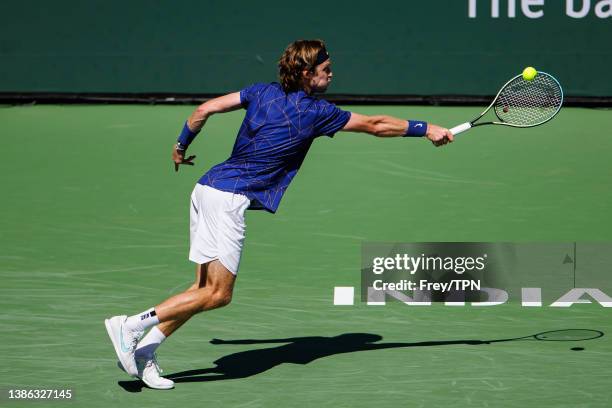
(281, 122)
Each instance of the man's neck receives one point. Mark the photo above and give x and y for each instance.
(306, 88)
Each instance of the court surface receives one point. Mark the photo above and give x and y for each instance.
(95, 223)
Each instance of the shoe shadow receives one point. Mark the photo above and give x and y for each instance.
(296, 350)
(132, 386)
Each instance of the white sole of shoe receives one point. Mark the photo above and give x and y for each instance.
(111, 335)
(155, 387)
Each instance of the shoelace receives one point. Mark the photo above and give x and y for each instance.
(153, 362)
(135, 338)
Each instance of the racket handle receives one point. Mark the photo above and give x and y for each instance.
(460, 128)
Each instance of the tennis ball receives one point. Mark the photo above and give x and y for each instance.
(529, 73)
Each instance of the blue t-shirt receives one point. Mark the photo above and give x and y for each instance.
(275, 136)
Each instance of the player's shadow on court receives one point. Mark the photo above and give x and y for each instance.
(297, 350)
(303, 350)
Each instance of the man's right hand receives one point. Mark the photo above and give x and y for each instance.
(439, 136)
(178, 157)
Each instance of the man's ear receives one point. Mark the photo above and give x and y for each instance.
(306, 74)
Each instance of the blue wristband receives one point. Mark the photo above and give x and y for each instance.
(416, 128)
(186, 136)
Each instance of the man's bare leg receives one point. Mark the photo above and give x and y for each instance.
(170, 326)
(214, 289)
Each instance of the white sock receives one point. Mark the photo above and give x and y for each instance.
(142, 321)
(150, 342)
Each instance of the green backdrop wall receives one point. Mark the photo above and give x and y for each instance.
(434, 47)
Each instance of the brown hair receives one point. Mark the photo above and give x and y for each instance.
(298, 56)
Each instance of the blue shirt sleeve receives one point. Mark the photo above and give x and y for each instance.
(330, 119)
(250, 93)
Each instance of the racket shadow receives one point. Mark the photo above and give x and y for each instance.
(304, 350)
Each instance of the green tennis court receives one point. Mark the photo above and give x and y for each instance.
(95, 223)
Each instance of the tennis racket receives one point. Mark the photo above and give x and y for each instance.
(522, 104)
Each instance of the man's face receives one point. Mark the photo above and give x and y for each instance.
(321, 77)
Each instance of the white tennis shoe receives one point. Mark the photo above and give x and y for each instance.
(150, 373)
(124, 341)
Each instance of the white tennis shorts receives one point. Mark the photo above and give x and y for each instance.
(216, 225)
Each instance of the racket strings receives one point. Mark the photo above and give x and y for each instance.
(529, 103)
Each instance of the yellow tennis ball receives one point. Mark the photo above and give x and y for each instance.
(529, 73)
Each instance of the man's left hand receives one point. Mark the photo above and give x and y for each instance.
(178, 157)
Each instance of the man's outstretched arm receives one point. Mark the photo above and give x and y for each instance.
(253, 341)
(388, 126)
(196, 121)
